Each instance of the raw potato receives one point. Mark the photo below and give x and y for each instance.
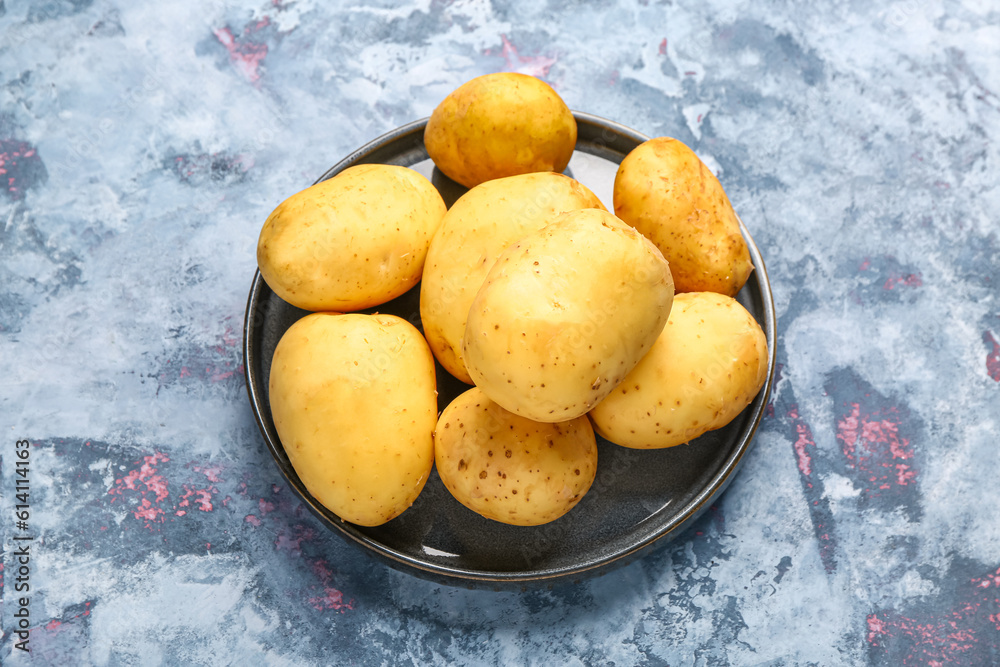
(667, 193)
(511, 469)
(353, 241)
(354, 403)
(704, 369)
(477, 228)
(500, 125)
(565, 314)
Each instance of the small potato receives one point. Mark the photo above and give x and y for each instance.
(511, 469)
(353, 241)
(354, 403)
(477, 228)
(565, 314)
(704, 369)
(500, 125)
(667, 193)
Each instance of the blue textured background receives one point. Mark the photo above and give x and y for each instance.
(141, 148)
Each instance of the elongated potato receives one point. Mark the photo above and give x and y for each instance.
(354, 402)
(353, 241)
(667, 193)
(565, 314)
(500, 125)
(511, 469)
(476, 229)
(707, 365)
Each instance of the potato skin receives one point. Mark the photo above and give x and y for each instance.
(565, 314)
(352, 241)
(477, 228)
(707, 365)
(354, 402)
(500, 125)
(667, 193)
(511, 469)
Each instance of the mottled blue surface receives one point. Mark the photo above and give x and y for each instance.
(142, 146)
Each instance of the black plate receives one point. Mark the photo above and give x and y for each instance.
(639, 497)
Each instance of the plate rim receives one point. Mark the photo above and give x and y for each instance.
(474, 578)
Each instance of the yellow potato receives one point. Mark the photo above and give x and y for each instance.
(704, 369)
(477, 228)
(353, 241)
(500, 125)
(354, 402)
(564, 315)
(667, 193)
(511, 469)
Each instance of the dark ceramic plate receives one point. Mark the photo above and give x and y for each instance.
(638, 498)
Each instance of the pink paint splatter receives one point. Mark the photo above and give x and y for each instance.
(246, 56)
(331, 599)
(293, 545)
(148, 512)
(993, 356)
(537, 66)
(145, 480)
(202, 497)
(909, 280)
(211, 472)
(252, 520)
(946, 638)
(803, 441)
(874, 449)
(146, 476)
(22, 166)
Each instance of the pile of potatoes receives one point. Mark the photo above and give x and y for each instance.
(567, 319)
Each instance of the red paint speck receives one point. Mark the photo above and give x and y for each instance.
(993, 356)
(663, 47)
(537, 66)
(331, 599)
(252, 520)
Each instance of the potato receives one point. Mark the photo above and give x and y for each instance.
(353, 241)
(477, 228)
(564, 315)
(354, 403)
(511, 469)
(500, 125)
(704, 369)
(667, 193)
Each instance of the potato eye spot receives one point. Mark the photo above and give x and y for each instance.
(462, 465)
